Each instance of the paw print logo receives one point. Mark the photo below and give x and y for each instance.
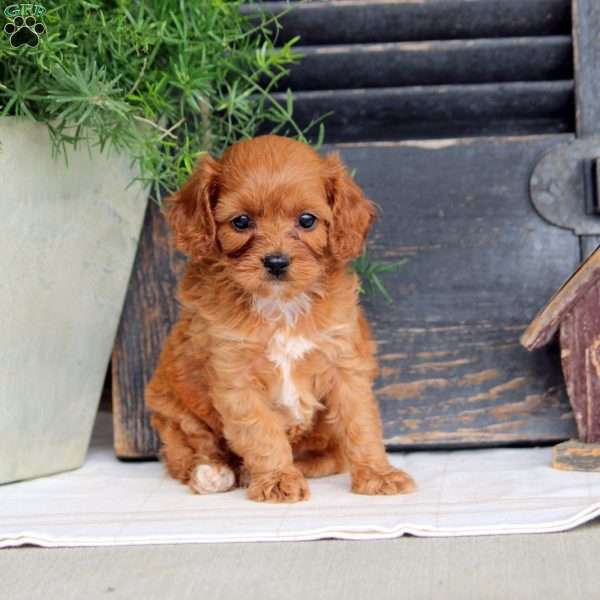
(24, 31)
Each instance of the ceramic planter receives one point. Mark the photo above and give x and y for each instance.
(67, 243)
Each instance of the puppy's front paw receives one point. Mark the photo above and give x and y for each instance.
(392, 481)
(288, 485)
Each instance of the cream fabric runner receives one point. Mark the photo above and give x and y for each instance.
(469, 492)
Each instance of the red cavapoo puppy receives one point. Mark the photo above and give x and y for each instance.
(266, 378)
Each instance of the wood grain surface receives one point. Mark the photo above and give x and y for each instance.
(481, 263)
(150, 310)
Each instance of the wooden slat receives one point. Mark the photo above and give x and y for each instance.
(366, 21)
(438, 111)
(149, 311)
(480, 264)
(586, 42)
(431, 63)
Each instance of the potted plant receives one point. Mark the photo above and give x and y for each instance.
(101, 104)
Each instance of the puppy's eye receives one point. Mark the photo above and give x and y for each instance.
(307, 221)
(241, 222)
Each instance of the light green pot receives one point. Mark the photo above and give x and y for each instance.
(68, 238)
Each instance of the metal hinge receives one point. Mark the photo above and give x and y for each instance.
(565, 186)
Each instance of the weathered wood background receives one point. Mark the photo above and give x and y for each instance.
(480, 265)
(149, 311)
(481, 261)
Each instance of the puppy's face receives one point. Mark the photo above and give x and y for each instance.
(272, 232)
(273, 213)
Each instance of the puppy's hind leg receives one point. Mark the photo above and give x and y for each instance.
(317, 454)
(191, 454)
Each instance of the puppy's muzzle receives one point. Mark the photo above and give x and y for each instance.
(276, 264)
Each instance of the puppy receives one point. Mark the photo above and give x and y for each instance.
(266, 378)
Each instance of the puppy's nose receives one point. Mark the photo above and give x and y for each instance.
(276, 264)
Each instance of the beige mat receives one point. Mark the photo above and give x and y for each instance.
(476, 492)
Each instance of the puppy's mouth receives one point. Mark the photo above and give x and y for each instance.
(277, 286)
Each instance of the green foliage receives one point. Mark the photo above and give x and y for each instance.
(370, 271)
(165, 80)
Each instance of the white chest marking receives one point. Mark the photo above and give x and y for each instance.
(284, 351)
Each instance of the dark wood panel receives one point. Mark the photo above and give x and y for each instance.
(431, 63)
(467, 385)
(371, 21)
(438, 111)
(586, 41)
(149, 311)
(480, 265)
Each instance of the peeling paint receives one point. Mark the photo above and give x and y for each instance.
(414, 389)
(498, 390)
(523, 408)
(442, 366)
(480, 377)
(394, 356)
(385, 372)
(439, 354)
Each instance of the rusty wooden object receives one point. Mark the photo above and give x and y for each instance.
(574, 311)
(149, 311)
(580, 354)
(576, 456)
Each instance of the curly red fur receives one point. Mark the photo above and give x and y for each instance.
(264, 382)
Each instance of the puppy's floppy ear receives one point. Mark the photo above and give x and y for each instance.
(353, 213)
(189, 212)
